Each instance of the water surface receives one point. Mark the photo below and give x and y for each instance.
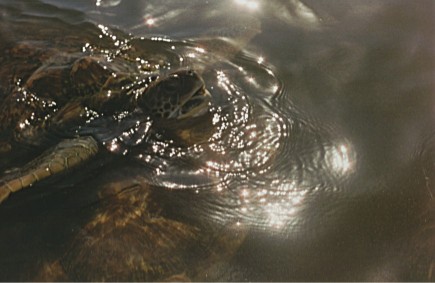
(324, 147)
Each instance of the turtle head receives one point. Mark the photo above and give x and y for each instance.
(180, 95)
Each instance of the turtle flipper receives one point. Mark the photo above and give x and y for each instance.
(65, 155)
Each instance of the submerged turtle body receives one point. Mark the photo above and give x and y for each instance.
(56, 97)
(129, 239)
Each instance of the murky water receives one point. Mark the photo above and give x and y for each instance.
(320, 164)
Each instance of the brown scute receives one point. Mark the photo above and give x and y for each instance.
(86, 69)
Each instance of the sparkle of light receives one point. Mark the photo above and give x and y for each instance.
(150, 22)
(250, 4)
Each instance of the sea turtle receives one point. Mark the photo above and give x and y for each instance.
(174, 106)
(54, 96)
(69, 88)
